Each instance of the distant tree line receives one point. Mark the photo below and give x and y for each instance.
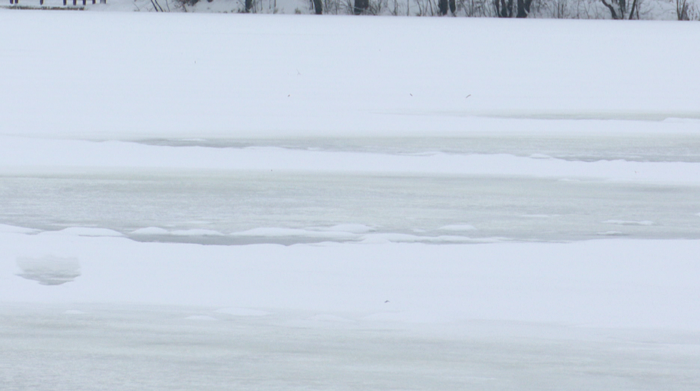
(562, 9)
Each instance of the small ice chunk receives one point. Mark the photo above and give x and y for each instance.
(49, 270)
(241, 312)
(627, 222)
(447, 239)
(611, 233)
(86, 231)
(272, 232)
(150, 231)
(197, 232)
(680, 120)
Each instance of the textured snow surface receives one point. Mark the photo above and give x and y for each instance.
(183, 348)
(181, 76)
(268, 202)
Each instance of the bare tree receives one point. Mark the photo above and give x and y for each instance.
(443, 4)
(361, 6)
(686, 10)
(621, 9)
(508, 8)
(523, 8)
(331, 6)
(156, 6)
(504, 8)
(474, 8)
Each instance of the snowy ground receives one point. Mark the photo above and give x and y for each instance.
(269, 202)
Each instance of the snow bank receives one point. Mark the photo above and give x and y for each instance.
(617, 283)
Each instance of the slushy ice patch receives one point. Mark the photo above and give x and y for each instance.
(49, 270)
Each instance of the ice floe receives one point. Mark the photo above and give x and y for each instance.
(49, 270)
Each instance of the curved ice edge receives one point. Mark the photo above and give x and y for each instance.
(85, 231)
(299, 146)
(450, 234)
(629, 222)
(379, 238)
(5, 228)
(70, 231)
(598, 115)
(338, 233)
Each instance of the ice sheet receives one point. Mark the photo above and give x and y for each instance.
(148, 347)
(239, 207)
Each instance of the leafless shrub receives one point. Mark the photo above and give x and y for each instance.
(561, 9)
(475, 8)
(622, 9)
(157, 5)
(376, 7)
(426, 7)
(395, 8)
(332, 7)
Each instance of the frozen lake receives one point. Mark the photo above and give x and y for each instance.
(266, 202)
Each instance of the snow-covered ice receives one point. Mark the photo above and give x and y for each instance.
(49, 270)
(270, 202)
